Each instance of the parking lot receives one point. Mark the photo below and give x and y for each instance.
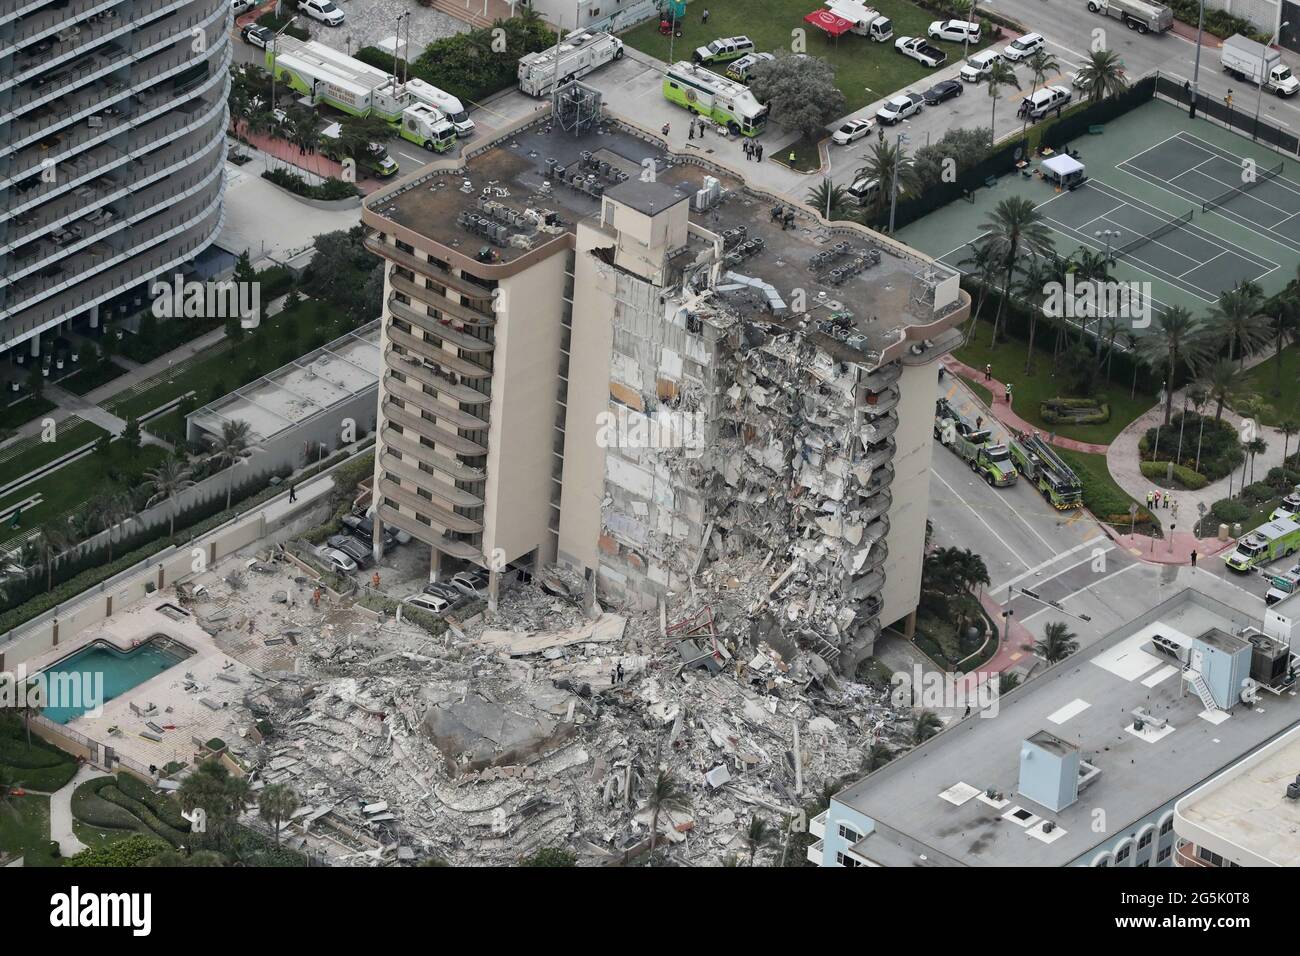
(370, 21)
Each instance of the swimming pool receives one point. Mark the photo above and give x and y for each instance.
(69, 682)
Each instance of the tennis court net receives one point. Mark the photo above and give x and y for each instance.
(1236, 191)
(1155, 233)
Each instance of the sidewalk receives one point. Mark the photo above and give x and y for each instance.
(1172, 549)
(1004, 413)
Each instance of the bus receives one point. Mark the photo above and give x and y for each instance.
(724, 101)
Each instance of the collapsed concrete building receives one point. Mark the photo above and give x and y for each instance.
(648, 368)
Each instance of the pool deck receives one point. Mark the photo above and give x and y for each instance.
(177, 705)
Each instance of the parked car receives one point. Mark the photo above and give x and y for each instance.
(1025, 46)
(428, 602)
(323, 10)
(899, 108)
(443, 590)
(470, 583)
(337, 560)
(254, 35)
(852, 131)
(1079, 80)
(864, 191)
(353, 547)
(956, 31)
(363, 526)
(740, 69)
(943, 90)
(1044, 101)
(723, 49)
(977, 65)
(242, 6)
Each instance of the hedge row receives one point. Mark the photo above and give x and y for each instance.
(1074, 411)
(1186, 477)
(146, 816)
(93, 810)
(15, 753)
(328, 190)
(1221, 23)
(167, 809)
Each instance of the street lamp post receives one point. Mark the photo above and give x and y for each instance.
(893, 189)
(1108, 235)
(1259, 99)
(274, 45)
(1196, 69)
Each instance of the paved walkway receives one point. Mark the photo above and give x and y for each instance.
(1004, 413)
(61, 811)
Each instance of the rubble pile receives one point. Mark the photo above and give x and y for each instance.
(545, 726)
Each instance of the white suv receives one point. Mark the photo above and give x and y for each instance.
(322, 10)
(958, 31)
(899, 108)
(1026, 46)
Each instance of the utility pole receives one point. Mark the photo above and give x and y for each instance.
(893, 189)
(1196, 69)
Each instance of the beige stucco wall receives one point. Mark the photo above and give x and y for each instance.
(911, 491)
(521, 431)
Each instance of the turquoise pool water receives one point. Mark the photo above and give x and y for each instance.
(120, 670)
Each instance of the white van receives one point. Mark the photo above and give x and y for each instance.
(1044, 101)
(977, 67)
(864, 192)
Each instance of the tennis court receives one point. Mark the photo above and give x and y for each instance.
(1218, 181)
(1171, 195)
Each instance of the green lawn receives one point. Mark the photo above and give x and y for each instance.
(1107, 501)
(32, 454)
(866, 71)
(225, 367)
(1008, 361)
(25, 830)
(86, 379)
(169, 427)
(1262, 380)
(981, 392)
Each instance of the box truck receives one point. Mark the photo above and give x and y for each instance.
(1247, 60)
(579, 54)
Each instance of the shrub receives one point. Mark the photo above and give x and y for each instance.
(1258, 492)
(1283, 479)
(296, 184)
(1074, 411)
(133, 851)
(1229, 510)
(92, 809)
(167, 809)
(1220, 445)
(275, 24)
(1218, 22)
(1185, 477)
(146, 816)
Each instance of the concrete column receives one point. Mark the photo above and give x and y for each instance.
(161, 577)
(54, 630)
(94, 316)
(108, 606)
(435, 564)
(377, 537)
(909, 628)
(494, 585)
(36, 346)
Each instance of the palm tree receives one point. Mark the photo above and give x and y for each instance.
(1091, 267)
(925, 725)
(828, 199)
(1286, 329)
(758, 836)
(1256, 446)
(1007, 682)
(999, 75)
(1041, 65)
(1288, 427)
(1241, 323)
(1058, 642)
(276, 804)
(165, 482)
(231, 447)
(981, 264)
(1103, 75)
(1178, 341)
(50, 542)
(1035, 280)
(1221, 381)
(877, 756)
(1014, 227)
(115, 509)
(882, 159)
(961, 9)
(666, 794)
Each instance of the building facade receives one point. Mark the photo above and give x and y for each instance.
(112, 141)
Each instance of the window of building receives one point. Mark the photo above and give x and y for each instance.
(1144, 863)
(845, 860)
(1167, 826)
(849, 834)
(1122, 854)
(1164, 854)
(1209, 857)
(1145, 840)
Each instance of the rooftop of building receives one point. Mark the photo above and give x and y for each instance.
(878, 282)
(1248, 808)
(936, 795)
(305, 387)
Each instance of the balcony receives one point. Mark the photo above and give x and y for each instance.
(431, 403)
(436, 354)
(439, 516)
(817, 826)
(410, 447)
(880, 403)
(423, 532)
(422, 266)
(410, 473)
(815, 853)
(434, 431)
(411, 367)
(438, 327)
(51, 19)
(435, 299)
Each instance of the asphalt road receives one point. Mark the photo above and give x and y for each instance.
(1063, 557)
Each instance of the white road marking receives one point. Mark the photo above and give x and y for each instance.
(1086, 587)
(1052, 560)
(953, 492)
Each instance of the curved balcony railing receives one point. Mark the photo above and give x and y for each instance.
(440, 517)
(422, 399)
(21, 324)
(437, 327)
(411, 367)
(423, 532)
(443, 435)
(451, 467)
(410, 474)
(432, 352)
(435, 299)
(429, 270)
